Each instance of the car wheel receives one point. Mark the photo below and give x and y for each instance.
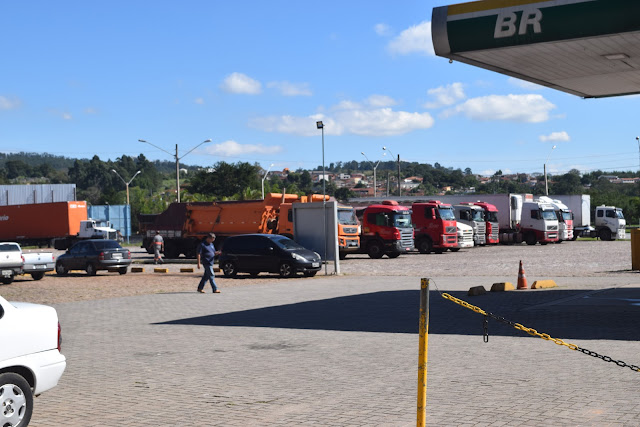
(605, 234)
(393, 254)
(530, 239)
(310, 273)
(61, 270)
(90, 269)
(122, 270)
(7, 280)
(374, 250)
(229, 269)
(425, 246)
(38, 275)
(287, 270)
(16, 400)
(254, 273)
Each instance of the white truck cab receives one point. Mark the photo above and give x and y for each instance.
(473, 216)
(539, 223)
(465, 235)
(610, 223)
(90, 229)
(564, 216)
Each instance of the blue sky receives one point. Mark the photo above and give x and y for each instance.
(82, 78)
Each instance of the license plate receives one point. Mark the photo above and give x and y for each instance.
(315, 264)
(116, 256)
(41, 267)
(7, 272)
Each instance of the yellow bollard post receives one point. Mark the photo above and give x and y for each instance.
(422, 355)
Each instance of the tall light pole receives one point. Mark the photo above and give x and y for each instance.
(320, 126)
(546, 184)
(126, 184)
(265, 177)
(386, 149)
(177, 161)
(638, 139)
(374, 173)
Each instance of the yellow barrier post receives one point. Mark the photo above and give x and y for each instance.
(422, 357)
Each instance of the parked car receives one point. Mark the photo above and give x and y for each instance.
(14, 262)
(30, 359)
(256, 253)
(93, 255)
(38, 263)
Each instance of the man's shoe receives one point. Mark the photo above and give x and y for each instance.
(201, 291)
(216, 292)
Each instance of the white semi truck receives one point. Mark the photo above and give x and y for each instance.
(565, 218)
(609, 223)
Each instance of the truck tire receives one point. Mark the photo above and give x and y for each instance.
(575, 237)
(375, 250)
(393, 254)
(604, 234)
(170, 251)
(455, 249)
(530, 239)
(16, 399)
(90, 269)
(37, 275)
(342, 255)
(7, 280)
(425, 246)
(229, 269)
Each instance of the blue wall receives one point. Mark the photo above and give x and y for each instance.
(118, 215)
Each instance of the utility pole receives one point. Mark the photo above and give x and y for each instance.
(399, 175)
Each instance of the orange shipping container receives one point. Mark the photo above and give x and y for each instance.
(41, 220)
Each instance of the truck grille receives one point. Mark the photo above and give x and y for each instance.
(350, 230)
(406, 238)
(450, 230)
(466, 236)
(552, 228)
(482, 228)
(495, 230)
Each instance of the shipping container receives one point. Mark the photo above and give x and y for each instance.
(42, 222)
(36, 193)
(118, 217)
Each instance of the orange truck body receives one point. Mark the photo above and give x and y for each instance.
(41, 222)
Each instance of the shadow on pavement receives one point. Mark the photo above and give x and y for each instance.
(608, 314)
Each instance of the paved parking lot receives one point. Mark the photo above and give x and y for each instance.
(343, 351)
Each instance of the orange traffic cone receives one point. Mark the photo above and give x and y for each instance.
(522, 279)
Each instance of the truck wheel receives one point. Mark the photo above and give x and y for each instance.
(342, 255)
(439, 251)
(393, 254)
(287, 270)
(605, 234)
(229, 269)
(425, 246)
(16, 400)
(374, 250)
(575, 237)
(61, 270)
(90, 269)
(530, 239)
(7, 280)
(38, 275)
(455, 249)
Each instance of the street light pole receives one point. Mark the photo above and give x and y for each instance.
(265, 177)
(177, 161)
(126, 184)
(638, 139)
(546, 184)
(320, 126)
(375, 187)
(385, 148)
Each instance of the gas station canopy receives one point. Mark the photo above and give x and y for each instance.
(589, 48)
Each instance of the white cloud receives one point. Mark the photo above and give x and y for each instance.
(529, 108)
(291, 89)
(241, 83)
(199, 101)
(444, 96)
(555, 137)
(9, 104)
(382, 29)
(415, 39)
(232, 148)
(67, 116)
(381, 101)
(349, 118)
(90, 110)
(524, 84)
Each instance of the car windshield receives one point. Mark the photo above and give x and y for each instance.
(401, 219)
(347, 217)
(106, 244)
(9, 248)
(286, 243)
(619, 214)
(549, 215)
(447, 213)
(477, 215)
(492, 216)
(566, 216)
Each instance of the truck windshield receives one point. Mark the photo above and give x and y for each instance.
(347, 217)
(491, 216)
(567, 216)
(447, 214)
(549, 215)
(619, 214)
(401, 219)
(477, 215)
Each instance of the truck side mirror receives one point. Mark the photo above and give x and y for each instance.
(433, 213)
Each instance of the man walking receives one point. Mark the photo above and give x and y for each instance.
(206, 253)
(158, 247)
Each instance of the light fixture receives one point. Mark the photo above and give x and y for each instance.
(319, 124)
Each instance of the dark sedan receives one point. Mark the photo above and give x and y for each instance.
(93, 255)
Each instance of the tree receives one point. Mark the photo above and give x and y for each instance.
(225, 179)
(344, 194)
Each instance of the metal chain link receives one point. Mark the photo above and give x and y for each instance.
(531, 332)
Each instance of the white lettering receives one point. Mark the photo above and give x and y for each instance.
(4, 218)
(533, 18)
(505, 25)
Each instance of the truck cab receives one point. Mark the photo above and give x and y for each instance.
(434, 223)
(610, 223)
(91, 229)
(491, 222)
(539, 223)
(386, 229)
(473, 216)
(564, 216)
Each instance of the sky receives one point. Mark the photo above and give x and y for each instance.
(79, 79)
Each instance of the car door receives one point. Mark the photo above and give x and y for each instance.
(266, 258)
(71, 260)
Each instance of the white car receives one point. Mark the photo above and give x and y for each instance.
(30, 358)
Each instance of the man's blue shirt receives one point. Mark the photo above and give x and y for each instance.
(207, 252)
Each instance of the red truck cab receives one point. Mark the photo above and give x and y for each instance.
(386, 229)
(435, 228)
(491, 218)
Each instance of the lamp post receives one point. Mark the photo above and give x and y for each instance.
(265, 177)
(386, 149)
(374, 173)
(638, 139)
(546, 184)
(126, 184)
(177, 161)
(320, 126)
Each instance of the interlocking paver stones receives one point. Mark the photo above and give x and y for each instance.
(337, 351)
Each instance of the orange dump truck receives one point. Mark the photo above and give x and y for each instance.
(183, 225)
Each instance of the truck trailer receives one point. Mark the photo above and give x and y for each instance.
(609, 222)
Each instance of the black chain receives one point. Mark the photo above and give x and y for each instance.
(485, 327)
(608, 359)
